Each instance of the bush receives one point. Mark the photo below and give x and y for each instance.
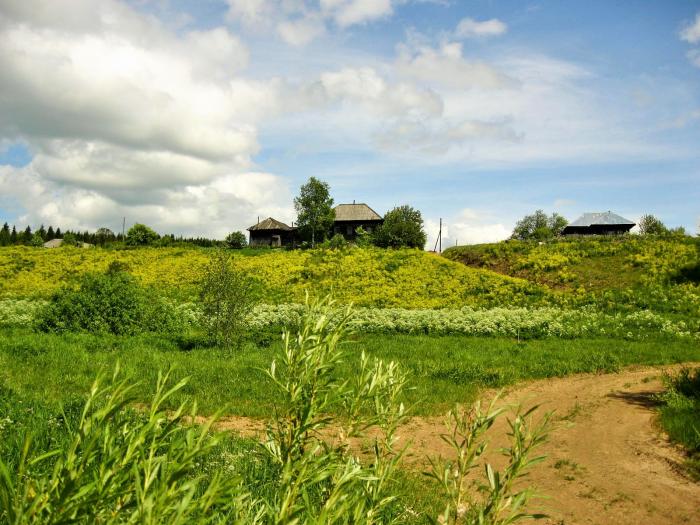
(112, 302)
(141, 235)
(236, 240)
(227, 295)
(539, 226)
(651, 225)
(402, 227)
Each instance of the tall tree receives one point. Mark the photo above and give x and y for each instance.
(314, 207)
(5, 235)
(403, 226)
(14, 238)
(27, 236)
(50, 234)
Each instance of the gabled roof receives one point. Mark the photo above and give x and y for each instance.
(600, 218)
(355, 212)
(270, 224)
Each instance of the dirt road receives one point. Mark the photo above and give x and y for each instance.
(608, 462)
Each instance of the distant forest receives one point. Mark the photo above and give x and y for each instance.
(10, 236)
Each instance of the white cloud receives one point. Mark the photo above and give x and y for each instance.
(470, 28)
(346, 13)
(691, 32)
(301, 31)
(469, 226)
(447, 66)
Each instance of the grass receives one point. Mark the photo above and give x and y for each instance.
(680, 416)
(442, 370)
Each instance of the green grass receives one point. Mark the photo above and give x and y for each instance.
(680, 416)
(442, 370)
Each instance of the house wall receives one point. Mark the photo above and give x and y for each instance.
(271, 238)
(348, 228)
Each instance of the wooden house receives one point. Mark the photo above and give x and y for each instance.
(601, 223)
(272, 233)
(349, 217)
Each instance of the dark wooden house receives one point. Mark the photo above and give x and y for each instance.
(602, 223)
(349, 217)
(272, 233)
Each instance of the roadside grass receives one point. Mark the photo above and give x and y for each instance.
(680, 415)
(442, 370)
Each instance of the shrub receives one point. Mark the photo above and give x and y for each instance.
(227, 295)
(112, 302)
(651, 225)
(402, 227)
(140, 235)
(236, 240)
(539, 226)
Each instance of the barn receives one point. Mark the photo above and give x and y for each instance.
(349, 217)
(599, 223)
(272, 233)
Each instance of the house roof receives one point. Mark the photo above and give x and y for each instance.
(355, 212)
(270, 224)
(53, 243)
(600, 218)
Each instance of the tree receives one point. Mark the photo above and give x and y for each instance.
(236, 240)
(141, 235)
(69, 239)
(26, 236)
(314, 207)
(539, 226)
(104, 235)
(13, 235)
(50, 234)
(227, 296)
(5, 235)
(403, 226)
(37, 240)
(650, 225)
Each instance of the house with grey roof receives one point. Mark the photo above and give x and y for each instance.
(350, 217)
(272, 233)
(599, 223)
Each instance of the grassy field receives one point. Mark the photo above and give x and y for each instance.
(443, 371)
(481, 317)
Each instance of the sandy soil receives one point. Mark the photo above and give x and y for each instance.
(608, 462)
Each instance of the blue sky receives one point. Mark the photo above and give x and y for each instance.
(197, 117)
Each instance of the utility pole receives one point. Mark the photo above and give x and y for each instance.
(440, 235)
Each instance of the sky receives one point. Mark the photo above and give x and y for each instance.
(197, 118)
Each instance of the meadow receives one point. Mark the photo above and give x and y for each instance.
(481, 317)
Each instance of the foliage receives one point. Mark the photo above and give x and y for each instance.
(226, 295)
(37, 240)
(121, 468)
(141, 235)
(236, 240)
(539, 226)
(112, 302)
(402, 227)
(69, 239)
(337, 242)
(680, 414)
(651, 225)
(363, 238)
(502, 501)
(314, 207)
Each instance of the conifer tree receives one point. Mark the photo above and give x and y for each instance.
(5, 235)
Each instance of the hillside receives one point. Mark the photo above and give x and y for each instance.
(645, 272)
(366, 277)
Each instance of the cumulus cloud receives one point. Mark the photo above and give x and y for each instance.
(350, 12)
(446, 66)
(136, 120)
(468, 226)
(470, 28)
(691, 32)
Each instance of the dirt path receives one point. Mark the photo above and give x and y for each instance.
(608, 463)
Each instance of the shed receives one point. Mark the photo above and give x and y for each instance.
(349, 217)
(271, 232)
(599, 223)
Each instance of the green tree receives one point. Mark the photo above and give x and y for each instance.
(5, 235)
(403, 226)
(650, 225)
(104, 235)
(26, 236)
(236, 240)
(50, 234)
(314, 207)
(539, 226)
(37, 240)
(227, 295)
(69, 239)
(141, 235)
(13, 236)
